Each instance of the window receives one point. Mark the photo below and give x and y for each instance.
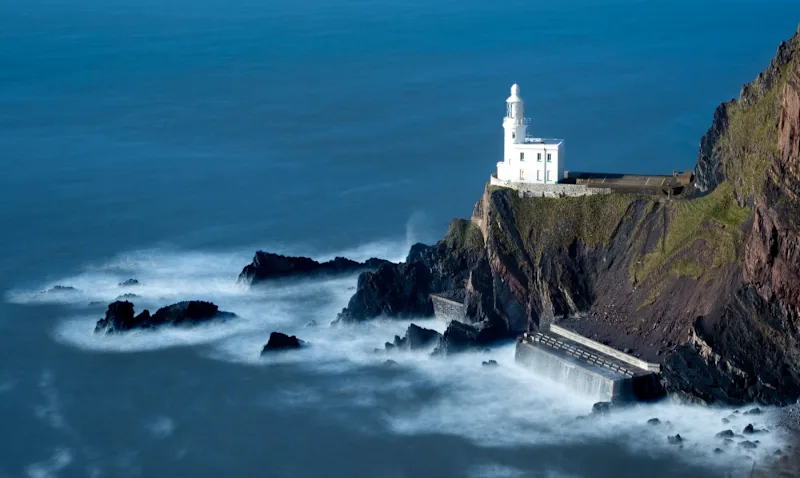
(522, 156)
(513, 135)
(548, 175)
(548, 157)
(539, 157)
(538, 175)
(522, 175)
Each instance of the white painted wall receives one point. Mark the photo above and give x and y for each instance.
(527, 159)
(529, 163)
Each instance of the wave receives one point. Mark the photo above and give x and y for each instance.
(505, 406)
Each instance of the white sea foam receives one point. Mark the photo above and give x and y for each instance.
(495, 471)
(49, 468)
(505, 406)
(161, 427)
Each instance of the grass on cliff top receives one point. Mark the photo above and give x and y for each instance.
(463, 235)
(559, 222)
(714, 219)
(750, 143)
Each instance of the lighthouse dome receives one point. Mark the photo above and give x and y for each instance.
(514, 98)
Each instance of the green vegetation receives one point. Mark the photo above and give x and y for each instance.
(652, 296)
(686, 268)
(750, 143)
(463, 235)
(714, 219)
(559, 222)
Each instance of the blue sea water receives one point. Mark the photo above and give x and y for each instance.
(167, 140)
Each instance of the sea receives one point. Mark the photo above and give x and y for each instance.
(168, 140)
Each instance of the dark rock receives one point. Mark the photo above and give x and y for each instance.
(460, 337)
(120, 316)
(675, 439)
(266, 266)
(95, 303)
(390, 363)
(748, 445)
(489, 363)
(280, 341)
(312, 323)
(718, 450)
(601, 408)
(748, 430)
(394, 290)
(725, 421)
(753, 411)
(417, 338)
(654, 421)
(127, 296)
(778, 452)
(60, 288)
(727, 442)
(128, 283)
(388, 346)
(725, 434)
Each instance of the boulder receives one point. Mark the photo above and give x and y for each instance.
(460, 337)
(127, 296)
(718, 450)
(489, 363)
(267, 265)
(390, 363)
(120, 316)
(312, 323)
(415, 338)
(280, 341)
(654, 421)
(128, 283)
(748, 445)
(725, 434)
(601, 408)
(675, 439)
(753, 411)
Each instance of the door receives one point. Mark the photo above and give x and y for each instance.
(522, 175)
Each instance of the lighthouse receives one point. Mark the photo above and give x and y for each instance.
(527, 159)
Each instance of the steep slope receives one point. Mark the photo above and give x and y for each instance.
(708, 285)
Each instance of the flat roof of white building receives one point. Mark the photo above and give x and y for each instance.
(530, 140)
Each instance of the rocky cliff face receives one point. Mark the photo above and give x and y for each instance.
(708, 285)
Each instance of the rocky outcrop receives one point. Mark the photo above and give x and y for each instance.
(120, 316)
(128, 283)
(415, 338)
(707, 286)
(279, 341)
(60, 289)
(267, 265)
(457, 266)
(460, 337)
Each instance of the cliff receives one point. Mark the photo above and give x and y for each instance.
(708, 285)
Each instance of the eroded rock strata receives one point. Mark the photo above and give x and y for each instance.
(708, 285)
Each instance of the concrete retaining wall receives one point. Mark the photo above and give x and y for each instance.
(637, 362)
(549, 190)
(587, 371)
(447, 309)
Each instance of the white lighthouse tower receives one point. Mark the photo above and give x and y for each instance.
(527, 159)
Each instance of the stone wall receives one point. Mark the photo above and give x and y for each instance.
(549, 190)
(447, 309)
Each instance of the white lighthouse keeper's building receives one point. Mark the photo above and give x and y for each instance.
(527, 159)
